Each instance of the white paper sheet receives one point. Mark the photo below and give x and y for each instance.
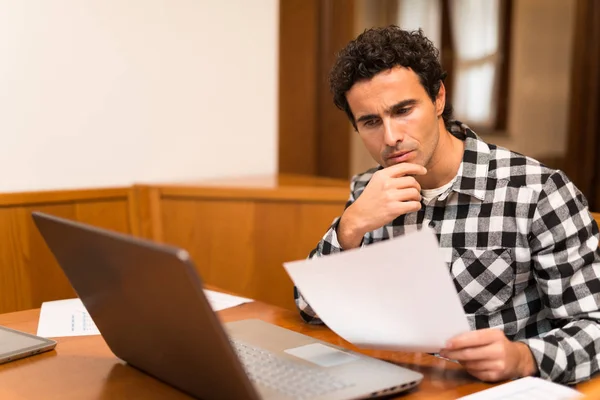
(392, 295)
(220, 301)
(70, 318)
(529, 388)
(65, 318)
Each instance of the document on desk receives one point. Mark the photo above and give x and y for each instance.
(65, 318)
(391, 295)
(70, 317)
(529, 388)
(220, 301)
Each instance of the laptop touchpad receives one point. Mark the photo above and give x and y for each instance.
(321, 355)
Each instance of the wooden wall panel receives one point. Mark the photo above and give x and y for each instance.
(29, 275)
(333, 127)
(239, 244)
(218, 236)
(285, 232)
(238, 236)
(298, 71)
(314, 136)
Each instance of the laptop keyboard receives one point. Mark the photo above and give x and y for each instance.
(292, 379)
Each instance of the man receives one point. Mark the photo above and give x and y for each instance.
(521, 245)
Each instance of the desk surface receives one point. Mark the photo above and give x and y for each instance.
(84, 368)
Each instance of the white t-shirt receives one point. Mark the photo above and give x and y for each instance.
(430, 194)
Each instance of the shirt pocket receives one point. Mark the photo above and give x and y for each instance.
(484, 279)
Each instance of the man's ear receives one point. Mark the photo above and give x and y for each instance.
(440, 100)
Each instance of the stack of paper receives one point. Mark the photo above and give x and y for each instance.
(392, 295)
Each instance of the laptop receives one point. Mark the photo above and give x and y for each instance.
(148, 302)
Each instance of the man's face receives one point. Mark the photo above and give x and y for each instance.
(395, 117)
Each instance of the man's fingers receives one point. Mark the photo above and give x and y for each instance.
(480, 337)
(479, 353)
(405, 207)
(403, 169)
(404, 182)
(407, 194)
(483, 365)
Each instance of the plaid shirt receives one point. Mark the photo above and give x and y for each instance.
(522, 249)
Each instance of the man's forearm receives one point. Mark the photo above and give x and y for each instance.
(569, 354)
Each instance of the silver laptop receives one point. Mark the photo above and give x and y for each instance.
(147, 301)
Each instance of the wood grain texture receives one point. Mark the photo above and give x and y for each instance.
(333, 127)
(85, 368)
(298, 71)
(314, 136)
(240, 245)
(60, 196)
(144, 208)
(597, 218)
(239, 232)
(282, 187)
(582, 159)
(29, 274)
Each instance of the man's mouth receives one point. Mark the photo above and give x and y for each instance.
(399, 156)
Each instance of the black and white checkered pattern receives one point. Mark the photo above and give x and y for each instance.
(522, 249)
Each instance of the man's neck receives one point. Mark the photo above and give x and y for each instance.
(445, 161)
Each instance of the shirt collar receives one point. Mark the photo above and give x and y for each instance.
(472, 175)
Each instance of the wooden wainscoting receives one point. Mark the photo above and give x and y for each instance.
(239, 233)
(29, 275)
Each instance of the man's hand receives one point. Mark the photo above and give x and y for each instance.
(392, 192)
(488, 355)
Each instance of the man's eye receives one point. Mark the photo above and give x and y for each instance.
(402, 111)
(370, 123)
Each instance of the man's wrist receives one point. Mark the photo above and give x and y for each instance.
(527, 363)
(349, 235)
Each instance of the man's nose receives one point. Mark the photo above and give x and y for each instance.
(391, 133)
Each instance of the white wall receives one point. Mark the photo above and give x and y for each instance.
(100, 93)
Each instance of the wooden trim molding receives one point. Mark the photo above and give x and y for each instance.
(144, 203)
(61, 196)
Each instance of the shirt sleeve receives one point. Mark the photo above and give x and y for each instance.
(327, 245)
(566, 262)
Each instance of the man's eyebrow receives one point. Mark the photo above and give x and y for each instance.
(401, 104)
(367, 117)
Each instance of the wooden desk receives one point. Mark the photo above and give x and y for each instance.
(84, 368)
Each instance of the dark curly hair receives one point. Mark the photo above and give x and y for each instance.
(380, 49)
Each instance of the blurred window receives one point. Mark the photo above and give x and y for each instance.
(474, 38)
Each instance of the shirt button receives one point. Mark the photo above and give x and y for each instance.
(432, 224)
